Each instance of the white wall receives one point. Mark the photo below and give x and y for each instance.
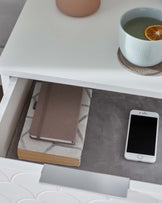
(9, 12)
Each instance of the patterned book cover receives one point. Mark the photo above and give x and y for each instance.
(50, 152)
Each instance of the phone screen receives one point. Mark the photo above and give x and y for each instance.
(142, 135)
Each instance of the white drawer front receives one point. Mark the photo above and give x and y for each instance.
(10, 109)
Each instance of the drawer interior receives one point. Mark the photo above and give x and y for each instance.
(104, 145)
(100, 145)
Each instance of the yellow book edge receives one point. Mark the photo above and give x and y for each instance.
(47, 158)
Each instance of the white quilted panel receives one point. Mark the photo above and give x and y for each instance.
(19, 183)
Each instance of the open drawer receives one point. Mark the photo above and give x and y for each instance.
(10, 108)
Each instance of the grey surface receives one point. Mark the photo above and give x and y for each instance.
(9, 12)
(84, 180)
(106, 134)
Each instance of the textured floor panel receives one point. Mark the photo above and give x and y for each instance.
(106, 136)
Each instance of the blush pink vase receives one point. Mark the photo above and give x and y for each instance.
(78, 8)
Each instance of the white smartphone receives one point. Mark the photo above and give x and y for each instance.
(142, 136)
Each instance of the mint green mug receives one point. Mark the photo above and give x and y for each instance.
(139, 51)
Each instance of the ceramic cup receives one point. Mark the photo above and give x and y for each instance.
(140, 52)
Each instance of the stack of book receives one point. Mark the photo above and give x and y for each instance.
(55, 125)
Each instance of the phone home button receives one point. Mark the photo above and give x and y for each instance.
(139, 157)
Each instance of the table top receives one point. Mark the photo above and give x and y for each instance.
(50, 46)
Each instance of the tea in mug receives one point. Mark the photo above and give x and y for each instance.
(137, 26)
